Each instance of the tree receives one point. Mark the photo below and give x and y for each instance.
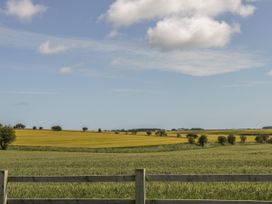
(149, 132)
(192, 135)
(161, 133)
(40, 128)
(202, 140)
(222, 140)
(34, 128)
(99, 130)
(261, 138)
(56, 128)
(19, 126)
(1, 125)
(243, 139)
(178, 135)
(7, 136)
(191, 140)
(231, 139)
(84, 129)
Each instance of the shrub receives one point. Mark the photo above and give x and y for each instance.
(34, 128)
(161, 133)
(99, 130)
(261, 138)
(84, 129)
(195, 136)
(7, 136)
(222, 140)
(202, 140)
(149, 133)
(19, 126)
(56, 128)
(40, 128)
(269, 140)
(1, 125)
(231, 139)
(116, 132)
(243, 138)
(191, 140)
(178, 135)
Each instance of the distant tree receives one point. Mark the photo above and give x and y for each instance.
(173, 129)
(40, 128)
(267, 127)
(149, 132)
(178, 135)
(134, 132)
(19, 126)
(202, 140)
(192, 135)
(269, 140)
(84, 129)
(116, 132)
(231, 139)
(1, 125)
(34, 128)
(161, 133)
(222, 140)
(56, 128)
(7, 136)
(99, 130)
(243, 138)
(261, 138)
(191, 140)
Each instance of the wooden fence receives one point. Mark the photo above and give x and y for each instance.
(139, 178)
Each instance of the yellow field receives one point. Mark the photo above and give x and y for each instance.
(45, 138)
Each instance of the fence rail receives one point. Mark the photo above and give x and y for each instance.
(139, 178)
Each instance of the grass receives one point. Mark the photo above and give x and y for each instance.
(238, 159)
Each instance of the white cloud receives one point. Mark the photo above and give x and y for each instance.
(24, 9)
(136, 55)
(67, 71)
(45, 48)
(192, 32)
(270, 73)
(181, 20)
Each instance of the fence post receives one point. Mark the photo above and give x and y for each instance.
(3, 186)
(139, 186)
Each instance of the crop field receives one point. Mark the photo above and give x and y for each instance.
(88, 139)
(236, 159)
(79, 139)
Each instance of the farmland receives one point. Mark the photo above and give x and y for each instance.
(237, 159)
(95, 140)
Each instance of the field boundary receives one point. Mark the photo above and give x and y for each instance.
(140, 178)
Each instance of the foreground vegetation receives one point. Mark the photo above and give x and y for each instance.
(230, 159)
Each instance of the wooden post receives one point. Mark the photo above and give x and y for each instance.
(140, 186)
(3, 186)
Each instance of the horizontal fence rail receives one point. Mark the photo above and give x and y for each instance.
(139, 178)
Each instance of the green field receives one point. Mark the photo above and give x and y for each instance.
(237, 159)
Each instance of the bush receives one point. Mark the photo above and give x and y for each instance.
(269, 140)
(116, 132)
(99, 130)
(262, 138)
(84, 129)
(19, 126)
(202, 140)
(56, 128)
(7, 136)
(40, 128)
(243, 139)
(34, 128)
(195, 136)
(178, 135)
(222, 140)
(161, 133)
(149, 133)
(191, 140)
(231, 139)
(1, 125)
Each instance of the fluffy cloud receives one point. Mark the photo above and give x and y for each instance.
(24, 9)
(191, 32)
(45, 48)
(180, 22)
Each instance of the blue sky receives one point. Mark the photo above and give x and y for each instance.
(127, 64)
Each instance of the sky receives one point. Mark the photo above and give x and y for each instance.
(116, 64)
